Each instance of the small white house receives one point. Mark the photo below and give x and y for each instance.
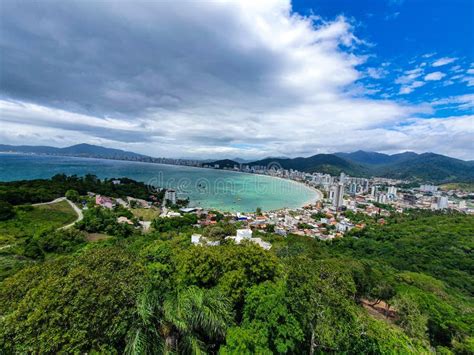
(145, 225)
(246, 234)
(196, 239)
(261, 243)
(243, 234)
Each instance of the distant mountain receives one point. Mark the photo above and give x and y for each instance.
(79, 150)
(241, 161)
(426, 167)
(374, 158)
(225, 163)
(429, 167)
(325, 163)
(409, 165)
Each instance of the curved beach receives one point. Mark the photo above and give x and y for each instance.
(226, 190)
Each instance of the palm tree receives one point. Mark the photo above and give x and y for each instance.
(181, 322)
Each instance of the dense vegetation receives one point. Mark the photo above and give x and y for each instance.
(410, 166)
(405, 287)
(28, 220)
(43, 190)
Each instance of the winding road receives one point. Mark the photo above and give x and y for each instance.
(76, 209)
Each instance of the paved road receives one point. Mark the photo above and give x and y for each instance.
(80, 216)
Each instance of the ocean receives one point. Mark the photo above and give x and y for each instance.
(207, 188)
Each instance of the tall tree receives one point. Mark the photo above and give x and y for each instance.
(186, 321)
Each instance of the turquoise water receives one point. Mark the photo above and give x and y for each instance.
(208, 188)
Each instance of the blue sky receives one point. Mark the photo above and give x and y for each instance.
(239, 78)
(408, 35)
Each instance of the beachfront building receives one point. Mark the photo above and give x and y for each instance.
(170, 195)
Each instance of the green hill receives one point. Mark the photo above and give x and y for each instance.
(324, 163)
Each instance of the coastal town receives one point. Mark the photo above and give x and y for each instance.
(344, 203)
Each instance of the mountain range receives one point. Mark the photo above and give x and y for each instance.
(428, 167)
(78, 150)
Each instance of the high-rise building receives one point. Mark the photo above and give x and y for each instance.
(442, 202)
(336, 195)
(365, 185)
(353, 188)
(332, 192)
(392, 190)
(373, 190)
(428, 188)
(381, 198)
(342, 178)
(171, 196)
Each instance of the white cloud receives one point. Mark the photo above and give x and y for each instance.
(443, 61)
(210, 79)
(407, 89)
(437, 75)
(469, 80)
(433, 134)
(392, 16)
(376, 73)
(462, 102)
(409, 76)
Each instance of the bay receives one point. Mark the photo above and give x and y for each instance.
(208, 188)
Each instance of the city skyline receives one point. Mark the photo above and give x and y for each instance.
(236, 79)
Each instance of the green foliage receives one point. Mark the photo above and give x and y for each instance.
(410, 318)
(72, 195)
(434, 243)
(233, 268)
(317, 216)
(190, 320)
(434, 247)
(268, 318)
(156, 292)
(6, 211)
(103, 220)
(302, 225)
(31, 220)
(219, 231)
(43, 190)
(71, 304)
(60, 241)
(166, 224)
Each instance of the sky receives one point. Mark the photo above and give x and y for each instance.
(248, 79)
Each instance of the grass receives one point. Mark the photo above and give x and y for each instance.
(467, 187)
(30, 220)
(146, 214)
(96, 237)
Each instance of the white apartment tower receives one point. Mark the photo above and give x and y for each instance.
(336, 195)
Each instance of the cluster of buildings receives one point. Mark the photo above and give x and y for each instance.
(343, 191)
(242, 235)
(345, 197)
(331, 217)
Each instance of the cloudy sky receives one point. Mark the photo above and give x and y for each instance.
(239, 79)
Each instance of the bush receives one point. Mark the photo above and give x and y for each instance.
(72, 195)
(6, 211)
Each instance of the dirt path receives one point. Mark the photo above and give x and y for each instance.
(59, 199)
(80, 216)
(76, 209)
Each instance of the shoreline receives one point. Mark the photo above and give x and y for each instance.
(300, 184)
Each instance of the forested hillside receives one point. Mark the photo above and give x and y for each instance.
(404, 287)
